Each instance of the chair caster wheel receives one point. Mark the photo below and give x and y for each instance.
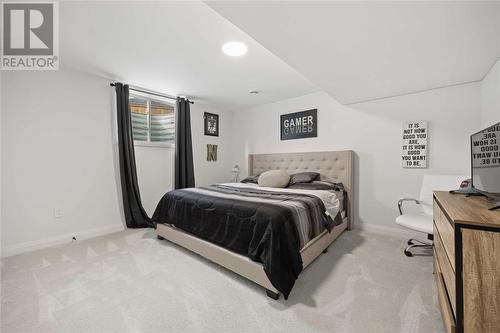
(159, 237)
(408, 254)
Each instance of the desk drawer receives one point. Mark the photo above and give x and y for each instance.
(445, 231)
(444, 304)
(445, 269)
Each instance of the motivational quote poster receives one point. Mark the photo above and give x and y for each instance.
(486, 148)
(415, 136)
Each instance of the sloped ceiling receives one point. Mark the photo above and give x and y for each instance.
(358, 51)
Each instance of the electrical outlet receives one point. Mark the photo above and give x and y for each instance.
(58, 213)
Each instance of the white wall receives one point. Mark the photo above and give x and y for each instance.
(58, 142)
(57, 152)
(208, 173)
(373, 131)
(155, 164)
(490, 96)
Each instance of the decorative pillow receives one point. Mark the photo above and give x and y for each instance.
(251, 179)
(274, 178)
(303, 177)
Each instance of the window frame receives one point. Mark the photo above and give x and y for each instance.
(149, 98)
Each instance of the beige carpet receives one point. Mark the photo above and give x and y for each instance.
(132, 282)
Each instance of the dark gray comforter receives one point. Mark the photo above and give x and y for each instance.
(268, 226)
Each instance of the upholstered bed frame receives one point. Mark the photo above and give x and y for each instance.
(335, 166)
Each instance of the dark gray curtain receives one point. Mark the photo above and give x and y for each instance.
(135, 215)
(184, 169)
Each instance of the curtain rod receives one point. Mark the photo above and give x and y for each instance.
(152, 93)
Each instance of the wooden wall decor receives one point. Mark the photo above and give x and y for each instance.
(211, 152)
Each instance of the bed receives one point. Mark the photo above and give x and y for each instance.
(280, 253)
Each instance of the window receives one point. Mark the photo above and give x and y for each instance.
(153, 120)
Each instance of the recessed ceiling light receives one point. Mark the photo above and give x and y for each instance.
(234, 49)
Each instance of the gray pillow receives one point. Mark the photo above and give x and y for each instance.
(274, 178)
(303, 177)
(250, 179)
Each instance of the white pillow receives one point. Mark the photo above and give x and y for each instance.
(274, 178)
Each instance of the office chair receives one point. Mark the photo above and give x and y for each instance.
(422, 221)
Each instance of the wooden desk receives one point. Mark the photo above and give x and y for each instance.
(467, 263)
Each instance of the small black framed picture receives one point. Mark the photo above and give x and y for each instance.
(211, 121)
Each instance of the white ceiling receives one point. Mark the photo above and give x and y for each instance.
(359, 51)
(174, 48)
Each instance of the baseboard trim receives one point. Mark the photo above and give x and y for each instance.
(19, 248)
(385, 230)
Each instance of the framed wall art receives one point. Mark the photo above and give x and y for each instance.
(211, 121)
(414, 152)
(299, 125)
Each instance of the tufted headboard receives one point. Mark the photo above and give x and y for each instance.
(336, 166)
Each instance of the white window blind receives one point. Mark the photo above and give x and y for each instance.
(153, 121)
